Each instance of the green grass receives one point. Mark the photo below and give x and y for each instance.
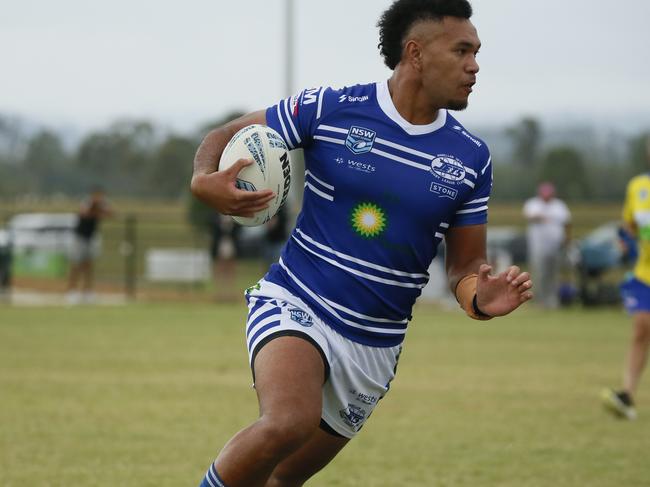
(145, 395)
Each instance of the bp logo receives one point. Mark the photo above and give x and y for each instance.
(368, 220)
(301, 317)
(360, 140)
(448, 168)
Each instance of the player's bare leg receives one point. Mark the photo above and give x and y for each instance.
(621, 403)
(87, 275)
(638, 353)
(296, 469)
(225, 277)
(73, 276)
(289, 374)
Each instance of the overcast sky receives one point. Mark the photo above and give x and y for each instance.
(84, 63)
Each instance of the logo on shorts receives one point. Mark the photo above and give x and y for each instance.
(369, 399)
(301, 317)
(353, 416)
(254, 287)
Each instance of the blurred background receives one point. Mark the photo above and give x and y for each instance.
(144, 389)
(119, 94)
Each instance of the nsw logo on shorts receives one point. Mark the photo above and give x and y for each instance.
(301, 317)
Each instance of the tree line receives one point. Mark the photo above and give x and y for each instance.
(138, 159)
(580, 170)
(129, 158)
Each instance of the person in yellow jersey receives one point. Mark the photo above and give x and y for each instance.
(636, 294)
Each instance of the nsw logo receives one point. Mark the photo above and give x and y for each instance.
(360, 140)
(448, 168)
(301, 317)
(310, 96)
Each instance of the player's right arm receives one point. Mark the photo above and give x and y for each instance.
(217, 188)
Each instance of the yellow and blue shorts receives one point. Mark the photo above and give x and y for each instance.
(636, 295)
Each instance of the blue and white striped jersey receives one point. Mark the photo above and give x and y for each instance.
(380, 194)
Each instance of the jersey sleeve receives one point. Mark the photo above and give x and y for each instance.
(474, 210)
(295, 118)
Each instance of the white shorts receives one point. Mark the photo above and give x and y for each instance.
(358, 376)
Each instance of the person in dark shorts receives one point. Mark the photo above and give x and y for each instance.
(85, 247)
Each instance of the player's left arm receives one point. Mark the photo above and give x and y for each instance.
(479, 293)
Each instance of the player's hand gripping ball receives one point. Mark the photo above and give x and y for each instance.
(271, 168)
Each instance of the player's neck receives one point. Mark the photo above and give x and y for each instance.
(409, 99)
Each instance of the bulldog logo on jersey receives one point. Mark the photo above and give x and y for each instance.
(360, 140)
(448, 168)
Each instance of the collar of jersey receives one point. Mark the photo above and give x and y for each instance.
(387, 106)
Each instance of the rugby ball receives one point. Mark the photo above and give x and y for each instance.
(271, 168)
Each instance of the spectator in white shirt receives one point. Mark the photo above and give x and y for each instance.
(548, 234)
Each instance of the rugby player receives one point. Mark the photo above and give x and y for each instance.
(636, 294)
(390, 173)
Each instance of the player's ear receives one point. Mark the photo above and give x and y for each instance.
(412, 54)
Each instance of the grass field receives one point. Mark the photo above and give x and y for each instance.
(144, 395)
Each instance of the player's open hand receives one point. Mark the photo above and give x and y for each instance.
(219, 190)
(499, 295)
